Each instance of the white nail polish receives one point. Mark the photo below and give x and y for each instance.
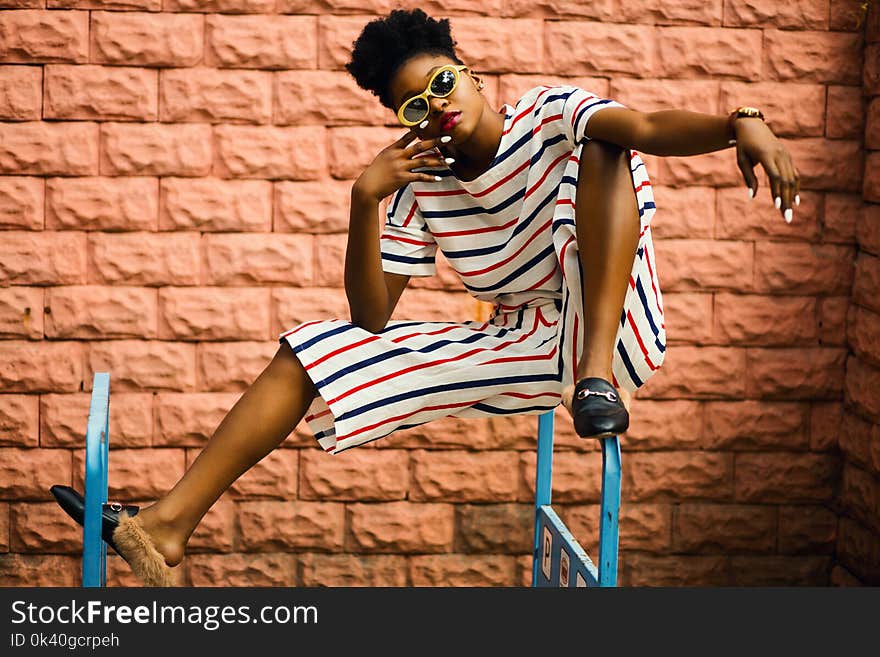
(778, 202)
(449, 160)
(751, 193)
(445, 139)
(423, 124)
(438, 178)
(797, 199)
(732, 142)
(788, 214)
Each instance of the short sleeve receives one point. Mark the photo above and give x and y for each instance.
(578, 106)
(407, 245)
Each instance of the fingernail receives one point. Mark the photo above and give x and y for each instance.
(788, 216)
(423, 124)
(449, 160)
(797, 199)
(778, 202)
(438, 178)
(445, 139)
(751, 193)
(732, 142)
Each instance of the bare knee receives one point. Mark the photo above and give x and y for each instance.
(286, 363)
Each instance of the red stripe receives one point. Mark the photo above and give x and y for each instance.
(341, 350)
(635, 329)
(543, 280)
(522, 395)
(518, 359)
(545, 174)
(501, 263)
(421, 366)
(412, 212)
(488, 229)
(405, 239)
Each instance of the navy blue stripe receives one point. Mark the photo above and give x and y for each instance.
(627, 363)
(641, 290)
(443, 390)
(393, 257)
(580, 115)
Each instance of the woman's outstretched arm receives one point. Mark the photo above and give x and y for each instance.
(683, 133)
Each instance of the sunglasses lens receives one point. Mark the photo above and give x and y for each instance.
(415, 110)
(444, 83)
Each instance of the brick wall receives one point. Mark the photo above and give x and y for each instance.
(174, 193)
(858, 540)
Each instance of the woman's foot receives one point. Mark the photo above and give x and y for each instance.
(602, 410)
(165, 538)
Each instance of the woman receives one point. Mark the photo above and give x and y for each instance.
(542, 208)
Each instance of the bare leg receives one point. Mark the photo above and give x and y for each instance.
(607, 223)
(259, 421)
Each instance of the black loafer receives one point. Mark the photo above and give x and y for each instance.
(75, 505)
(597, 409)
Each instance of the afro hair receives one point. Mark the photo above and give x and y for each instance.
(386, 44)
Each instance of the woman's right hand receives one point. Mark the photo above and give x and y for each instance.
(393, 167)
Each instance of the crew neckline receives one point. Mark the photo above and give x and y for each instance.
(490, 174)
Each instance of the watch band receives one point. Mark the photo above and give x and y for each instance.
(739, 113)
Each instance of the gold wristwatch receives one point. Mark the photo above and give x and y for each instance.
(738, 113)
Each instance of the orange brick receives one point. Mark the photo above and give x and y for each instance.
(495, 528)
(780, 571)
(100, 92)
(232, 366)
(102, 203)
(860, 384)
(588, 48)
(270, 41)
(216, 531)
(296, 152)
(826, 419)
(807, 529)
(808, 56)
(691, 310)
(36, 35)
(190, 419)
(213, 205)
(144, 258)
(354, 570)
(832, 324)
(795, 268)
(248, 259)
(786, 477)
(636, 569)
(40, 570)
(676, 424)
(742, 218)
(858, 550)
(803, 15)
(690, 265)
(215, 96)
(213, 313)
(707, 52)
(700, 372)
(400, 527)
(19, 420)
(796, 373)
(275, 475)
(764, 320)
(274, 569)
(860, 495)
(842, 213)
(40, 366)
(21, 90)
(278, 526)
(454, 476)
(21, 314)
(42, 258)
(312, 207)
(846, 115)
(43, 528)
(356, 475)
(64, 419)
(687, 213)
(757, 425)
(147, 38)
(27, 474)
(137, 365)
(577, 477)
(157, 149)
(49, 148)
(662, 476)
(463, 570)
(724, 528)
(97, 312)
(23, 202)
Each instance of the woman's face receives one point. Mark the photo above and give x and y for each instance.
(466, 99)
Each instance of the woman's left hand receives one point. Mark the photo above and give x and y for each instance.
(756, 143)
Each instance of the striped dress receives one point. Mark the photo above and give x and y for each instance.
(510, 235)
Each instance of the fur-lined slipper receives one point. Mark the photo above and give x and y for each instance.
(135, 546)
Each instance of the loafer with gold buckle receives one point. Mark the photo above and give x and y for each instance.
(598, 410)
(74, 505)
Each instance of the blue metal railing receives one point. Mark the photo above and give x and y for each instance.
(94, 566)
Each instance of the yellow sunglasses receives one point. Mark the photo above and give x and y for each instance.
(442, 83)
